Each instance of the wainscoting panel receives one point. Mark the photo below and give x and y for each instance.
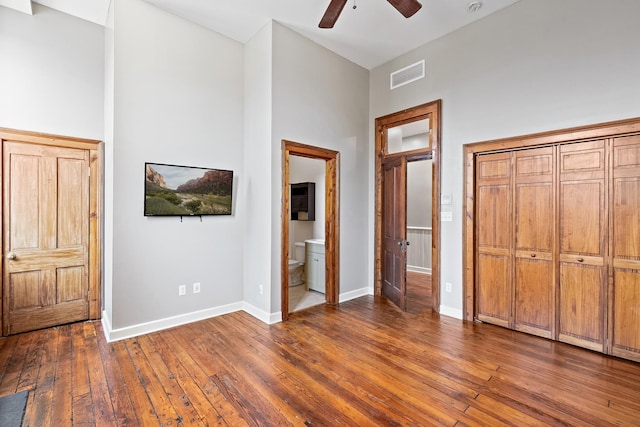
(419, 251)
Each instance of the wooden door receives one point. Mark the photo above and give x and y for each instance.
(534, 272)
(582, 244)
(46, 236)
(394, 229)
(625, 248)
(493, 279)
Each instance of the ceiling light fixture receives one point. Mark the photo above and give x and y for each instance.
(474, 6)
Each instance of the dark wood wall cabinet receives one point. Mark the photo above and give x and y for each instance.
(303, 201)
(556, 241)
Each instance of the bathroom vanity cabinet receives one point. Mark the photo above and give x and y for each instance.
(303, 201)
(314, 265)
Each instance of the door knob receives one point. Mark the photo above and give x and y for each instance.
(11, 255)
(403, 245)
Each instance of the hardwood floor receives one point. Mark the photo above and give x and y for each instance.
(364, 363)
(418, 292)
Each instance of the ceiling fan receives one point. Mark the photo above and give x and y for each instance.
(406, 7)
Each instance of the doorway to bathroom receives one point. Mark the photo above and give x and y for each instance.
(310, 227)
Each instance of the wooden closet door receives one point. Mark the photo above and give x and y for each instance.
(46, 236)
(534, 201)
(583, 240)
(625, 250)
(493, 279)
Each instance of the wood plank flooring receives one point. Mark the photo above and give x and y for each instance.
(418, 292)
(364, 363)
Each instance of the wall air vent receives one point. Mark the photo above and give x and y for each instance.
(407, 74)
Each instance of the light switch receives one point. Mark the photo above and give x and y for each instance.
(445, 199)
(446, 216)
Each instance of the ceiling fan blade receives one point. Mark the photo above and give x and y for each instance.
(332, 13)
(407, 8)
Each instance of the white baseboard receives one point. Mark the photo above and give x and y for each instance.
(168, 322)
(346, 296)
(417, 269)
(106, 325)
(451, 312)
(263, 316)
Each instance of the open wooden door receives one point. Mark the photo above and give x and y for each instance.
(404, 137)
(46, 214)
(394, 231)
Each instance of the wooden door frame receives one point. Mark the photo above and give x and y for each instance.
(95, 149)
(432, 111)
(576, 134)
(331, 219)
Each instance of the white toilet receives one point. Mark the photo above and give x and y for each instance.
(296, 265)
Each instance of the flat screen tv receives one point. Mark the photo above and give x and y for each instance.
(172, 190)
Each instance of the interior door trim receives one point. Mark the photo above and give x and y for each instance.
(95, 172)
(332, 220)
(432, 111)
(471, 151)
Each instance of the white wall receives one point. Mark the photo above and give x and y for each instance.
(534, 66)
(257, 166)
(51, 73)
(321, 99)
(169, 91)
(178, 99)
(108, 196)
(299, 91)
(419, 193)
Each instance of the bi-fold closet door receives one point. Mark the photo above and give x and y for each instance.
(624, 270)
(583, 241)
(515, 220)
(558, 242)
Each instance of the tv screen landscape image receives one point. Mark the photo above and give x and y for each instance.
(172, 190)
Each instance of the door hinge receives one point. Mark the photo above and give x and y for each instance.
(89, 172)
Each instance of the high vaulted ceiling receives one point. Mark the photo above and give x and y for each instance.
(91, 10)
(369, 35)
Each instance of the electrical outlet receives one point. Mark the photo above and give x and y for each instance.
(261, 289)
(182, 290)
(196, 288)
(447, 287)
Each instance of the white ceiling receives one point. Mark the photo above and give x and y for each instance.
(91, 10)
(369, 35)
